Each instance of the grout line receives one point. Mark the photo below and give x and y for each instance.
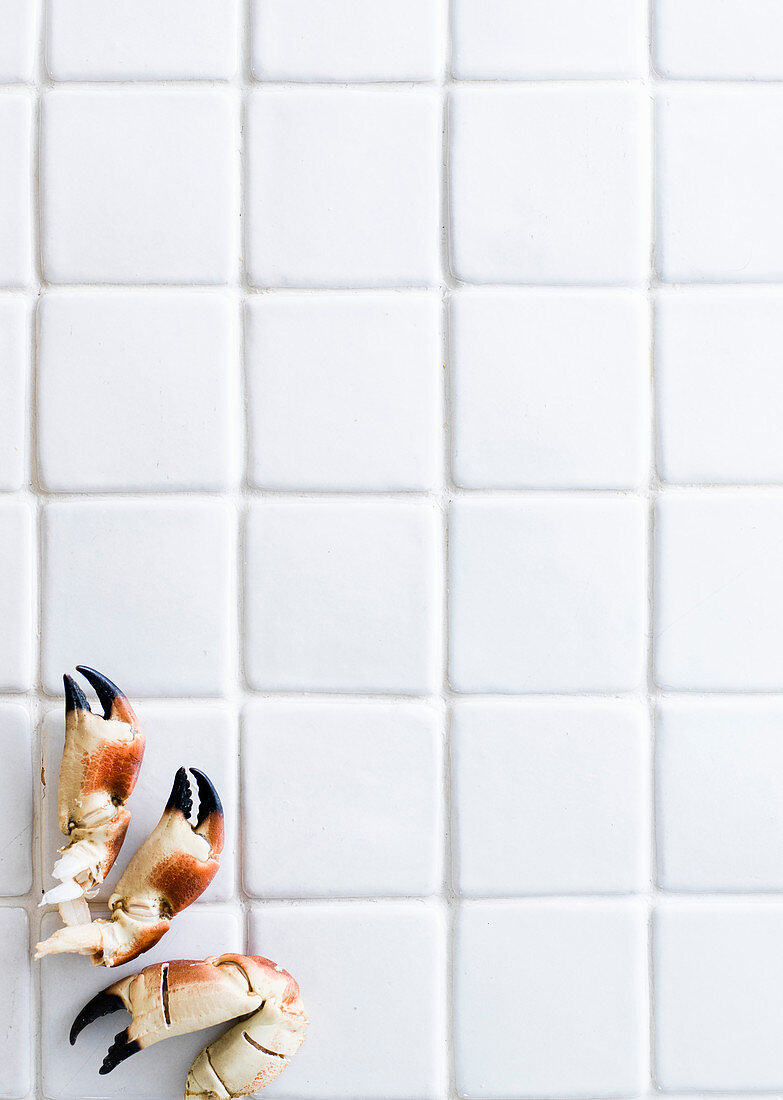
(651, 495)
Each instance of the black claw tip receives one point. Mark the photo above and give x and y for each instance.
(209, 800)
(180, 798)
(106, 691)
(120, 1049)
(75, 699)
(102, 1004)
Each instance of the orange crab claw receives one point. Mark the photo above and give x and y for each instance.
(173, 867)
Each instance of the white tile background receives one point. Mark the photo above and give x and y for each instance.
(358, 418)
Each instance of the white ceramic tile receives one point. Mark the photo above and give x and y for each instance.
(342, 596)
(345, 390)
(718, 1012)
(550, 999)
(718, 815)
(545, 39)
(345, 40)
(719, 175)
(372, 980)
(153, 373)
(139, 185)
(719, 591)
(526, 208)
(550, 797)
(718, 385)
(141, 39)
(142, 589)
(546, 595)
(68, 982)
(18, 25)
(350, 781)
(549, 388)
(736, 40)
(15, 360)
(16, 215)
(193, 736)
(342, 187)
(16, 596)
(16, 798)
(15, 1029)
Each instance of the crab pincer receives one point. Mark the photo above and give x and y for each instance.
(100, 765)
(172, 868)
(175, 998)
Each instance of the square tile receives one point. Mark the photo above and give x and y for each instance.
(719, 591)
(139, 185)
(140, 587)
(345, 40)
(17, 40)
(390, 954)
(549, 388)
(16, 798)
(16, 183)
(718, 815)
(718, 1012)
(547, 594)
(17, 601)
(68, 982)
(345, 390)
(527, 209)
(718, 385)
(565, 1016)
(744, 42)
(547, 39)
(341, 773)
(141, 39)
(719, 176)
(193, 736)
(342, 187)
(15, 336)
(154, 373)
(15, 1022)
(342, 596)
(550, 797)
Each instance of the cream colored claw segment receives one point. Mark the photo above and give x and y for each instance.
(172, 868)
(100, 765)
(182, 996)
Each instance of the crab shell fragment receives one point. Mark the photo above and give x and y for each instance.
(178, 997)
(173, 867)
(100, 765)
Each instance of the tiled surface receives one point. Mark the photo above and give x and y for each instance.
(343, 955)
(345, 391)
(367, 419)
(373, 218)
(351, 780)
(528, 613)
(154, 374)
(566, 982)
(718, 1015)
(15, 1004)
(166, 214)
(342, 596)
(526, 209)
(567, 784)
(356, 40)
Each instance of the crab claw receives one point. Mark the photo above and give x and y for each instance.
(173, 867)
(178, 997)
(100, 765)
